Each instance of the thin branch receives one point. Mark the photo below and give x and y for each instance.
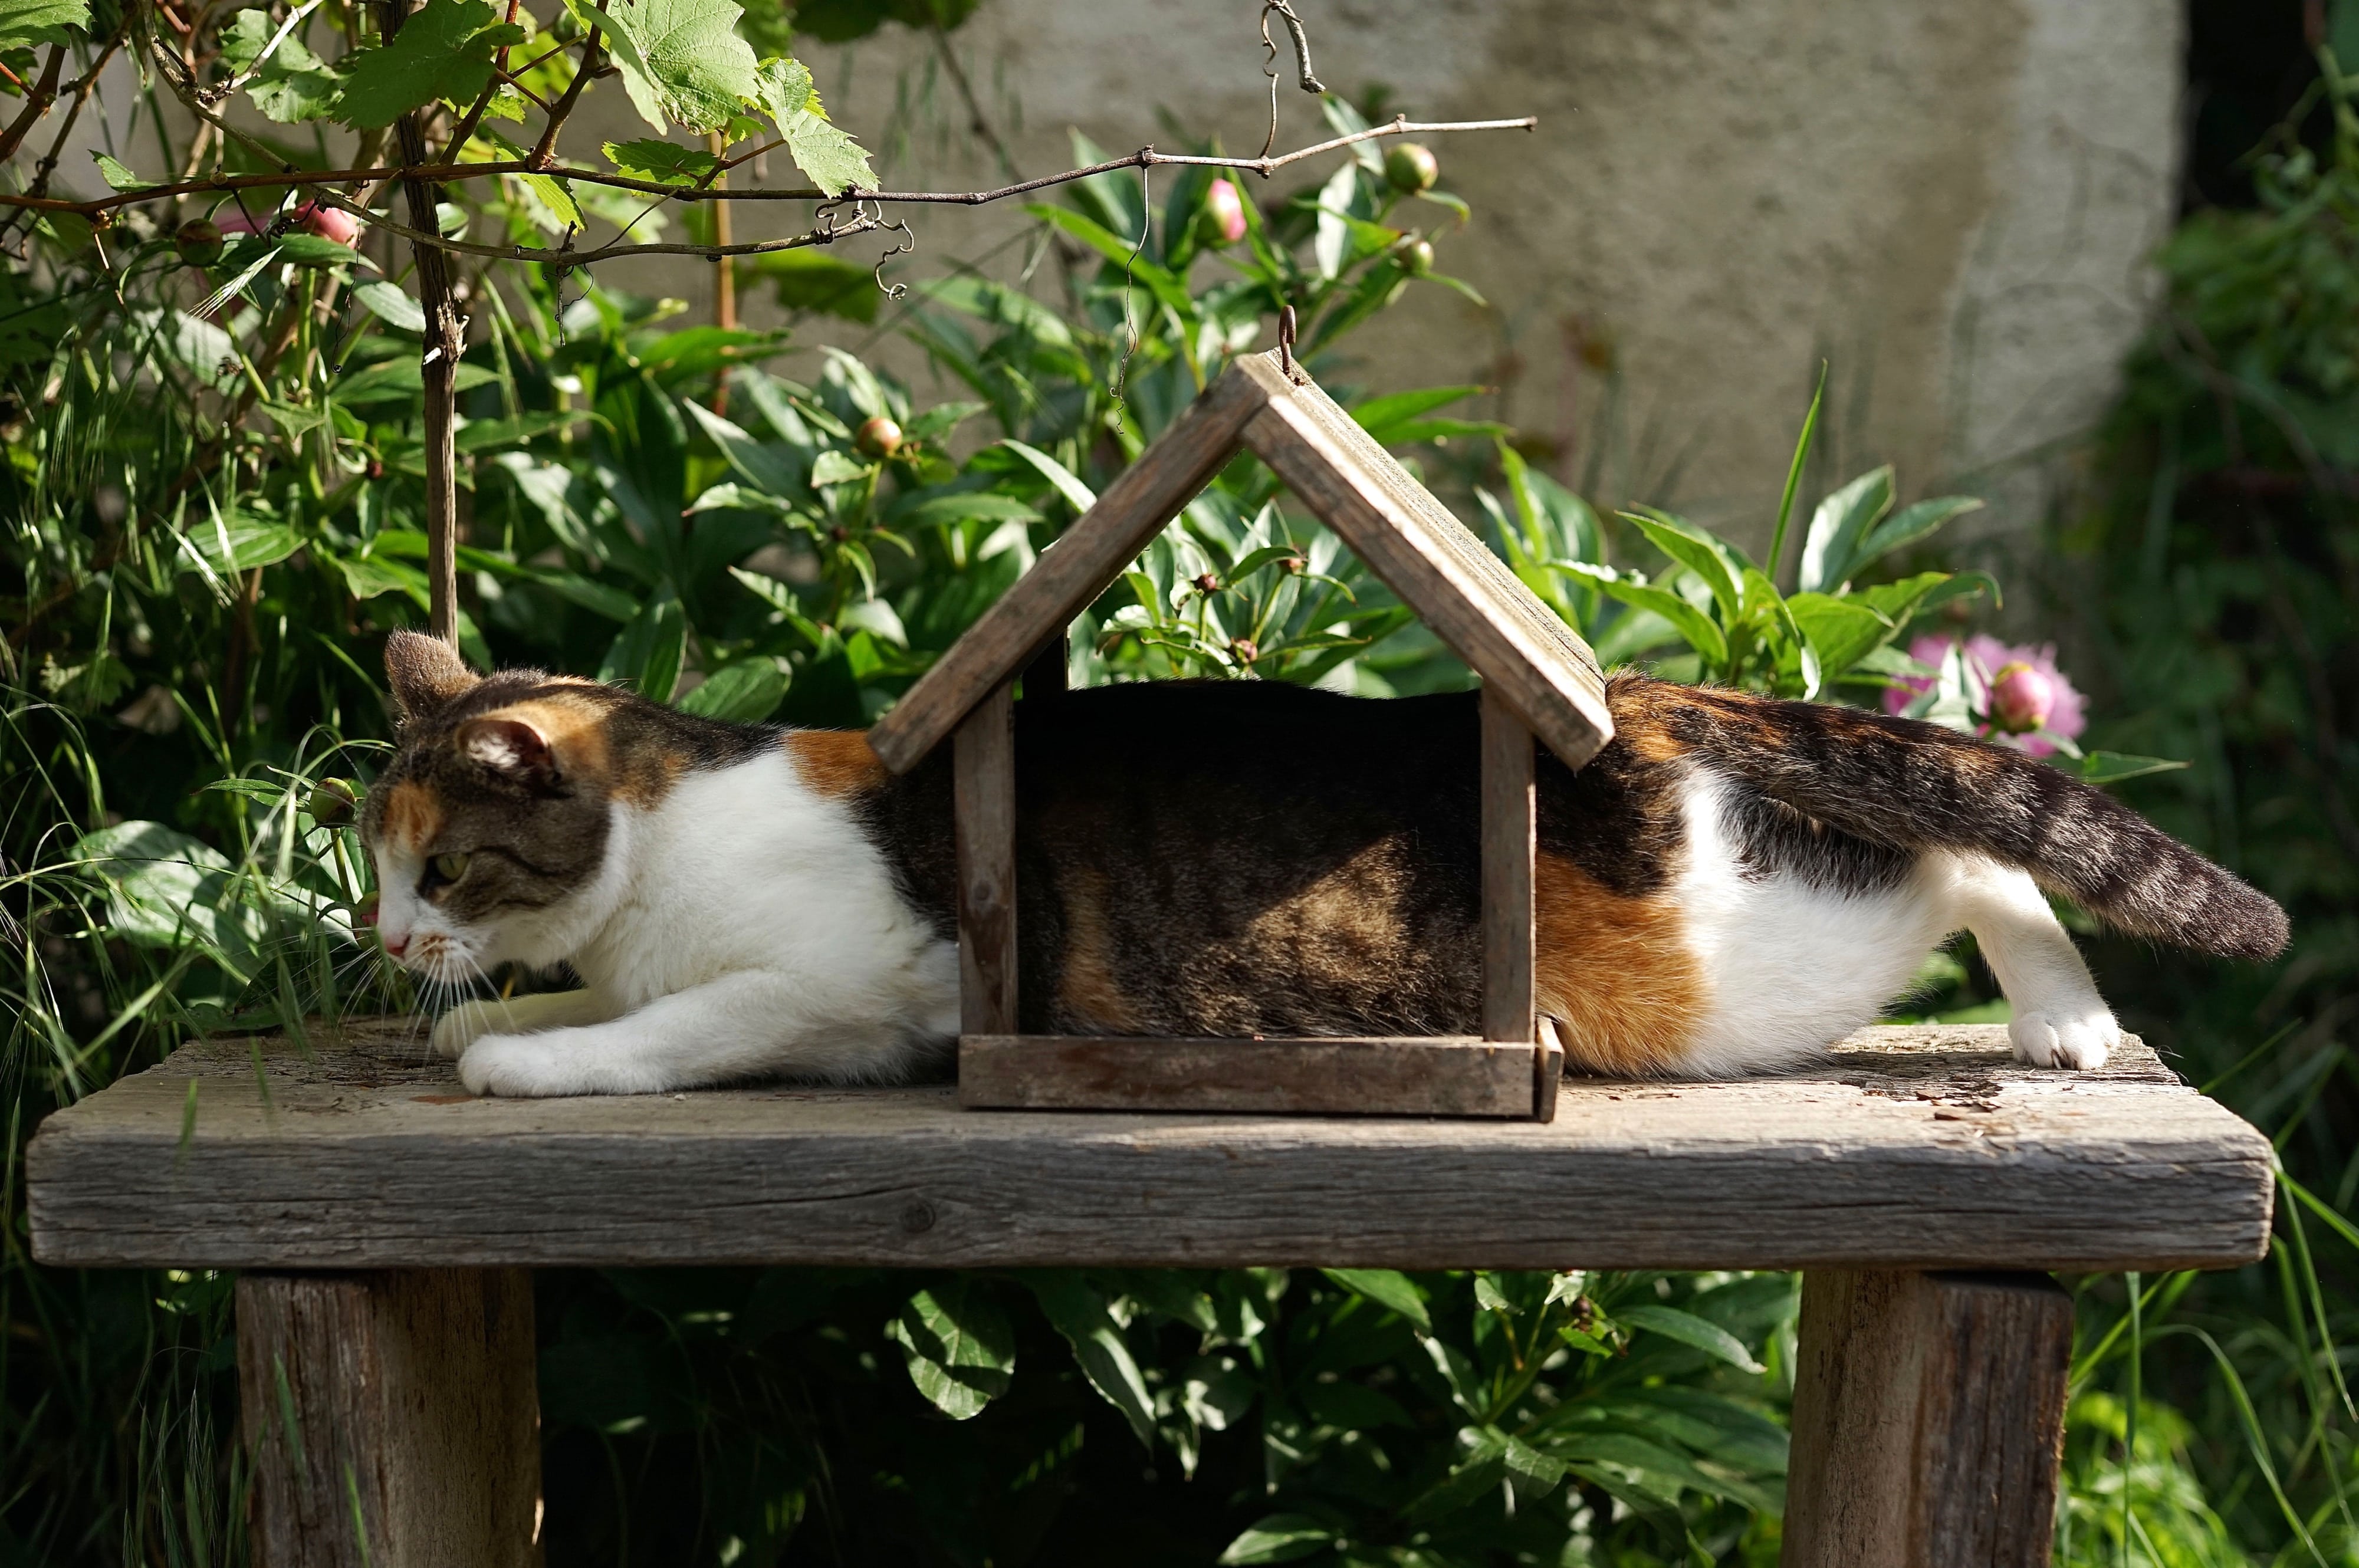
(37, 103)
(977, 122)
(452, 173)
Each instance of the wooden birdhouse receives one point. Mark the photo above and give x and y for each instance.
(1539, 680)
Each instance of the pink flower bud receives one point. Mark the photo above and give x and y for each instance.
(329, 222)
(2021, 698)
(1224, 214)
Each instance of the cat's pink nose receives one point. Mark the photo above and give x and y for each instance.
(395, 942)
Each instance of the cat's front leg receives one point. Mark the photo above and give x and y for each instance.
(463, 1025)
(2060, 1018)
(748, 1025)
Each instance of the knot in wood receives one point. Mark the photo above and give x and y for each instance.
(919, 1217)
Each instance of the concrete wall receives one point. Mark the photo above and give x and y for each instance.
(1951, 204)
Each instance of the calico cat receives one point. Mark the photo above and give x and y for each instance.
(1731, 885)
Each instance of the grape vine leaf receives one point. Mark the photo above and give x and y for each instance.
(550, 195)
(680, 59)
(443, 51)
(834, 160)
(289, 84)
(650, 157)
(41, 21)
(117, 175)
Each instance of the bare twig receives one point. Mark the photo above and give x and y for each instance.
(452, 173)
(445, 340)
(37, 103)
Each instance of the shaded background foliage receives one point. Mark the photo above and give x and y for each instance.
(191, 651)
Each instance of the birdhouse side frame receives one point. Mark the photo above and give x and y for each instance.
(1539, 685)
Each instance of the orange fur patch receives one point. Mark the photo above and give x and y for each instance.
(835, 762)
(412, 816)
(1615, 972)
(1088, 988)
(575, 731)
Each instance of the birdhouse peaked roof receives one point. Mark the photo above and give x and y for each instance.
(1427, 556)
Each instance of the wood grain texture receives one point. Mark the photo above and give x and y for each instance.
(1509, 842)
(1920, 1147)
(1459, 589)
(984, 812)
(1070, 573)
(391, 1417)
(1413, 1077)
(1929, 1421)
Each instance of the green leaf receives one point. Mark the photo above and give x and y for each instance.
(491, 435)
(117, 175)
(662, 162)
(1062, 480)
(43, 21)
(1530, 1472)
(838, 467)
(1690, 1330)
(443, 51)
(1688, 545)
(1794, 475)
(1159, 280)
(315, 250)
(1079, 1315)
(290, 83)
(1912, 523)
(166, 889)
(835, 162)
(366, 576)
(1843, 631)
(400, 380)
(2113, 767)
(680, 59)
(385, 302)
(1830, 552)
(960, 1349)
(807, 279)
(236, 543)
(1691, 623)
(648, 651)
(1388, 1288)
(1278, 1538)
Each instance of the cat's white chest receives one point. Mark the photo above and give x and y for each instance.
(747, 868)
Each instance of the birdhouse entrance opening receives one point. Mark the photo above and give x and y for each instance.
(1540, 681)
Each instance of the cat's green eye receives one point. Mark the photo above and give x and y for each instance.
(450, 867)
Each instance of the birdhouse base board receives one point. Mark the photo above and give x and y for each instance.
(1403, 1076)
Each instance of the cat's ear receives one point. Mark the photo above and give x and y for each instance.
(424, 673)
(510, 747)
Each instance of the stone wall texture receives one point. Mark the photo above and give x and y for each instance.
(1952, 205)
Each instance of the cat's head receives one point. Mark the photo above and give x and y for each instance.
(492, 824)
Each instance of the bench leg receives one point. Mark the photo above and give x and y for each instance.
(1929, 1421)
(391, 1416)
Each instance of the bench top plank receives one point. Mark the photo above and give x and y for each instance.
(1910, 1147)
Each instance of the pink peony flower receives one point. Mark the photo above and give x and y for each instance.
(1224, 213)
(2017, 690)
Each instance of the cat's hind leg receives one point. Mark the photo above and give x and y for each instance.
(2059, 1019)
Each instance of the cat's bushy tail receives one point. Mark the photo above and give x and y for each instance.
(1917, 786)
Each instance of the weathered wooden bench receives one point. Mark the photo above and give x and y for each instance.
(384, 1220)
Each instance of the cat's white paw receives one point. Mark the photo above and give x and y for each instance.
(460, 1027)
(521, 1066)
(2078, 1037)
